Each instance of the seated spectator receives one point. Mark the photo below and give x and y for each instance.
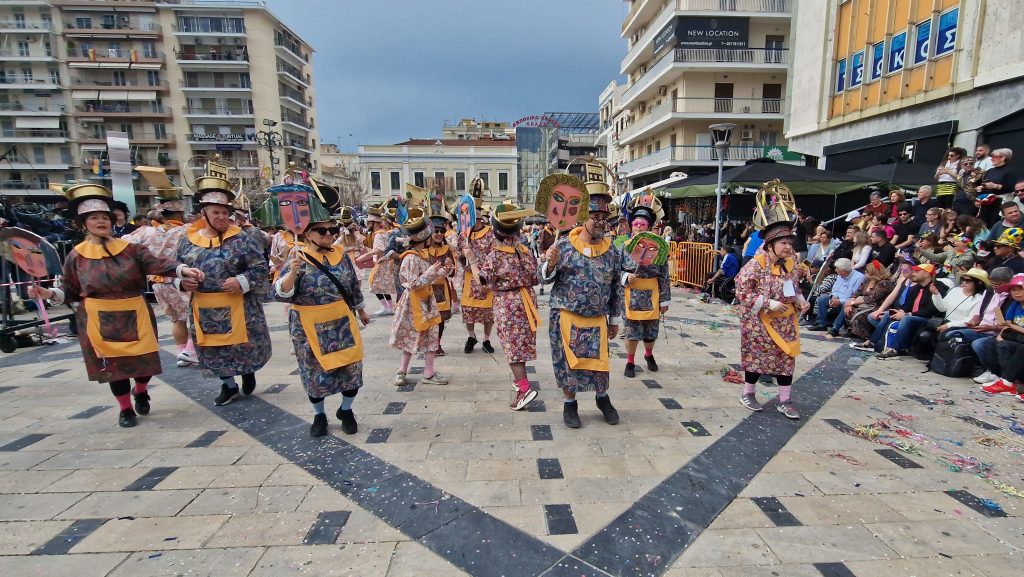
(973, 228)
(726, 271)
(957, 257)
(896, 199)
(923, 204)
(906, 230)
(861, 252)
(876, 206)
(846, 285)
(932, 223)
(880, 223)
(983, 322)
(1006, 249)
(899, 325)
(960, 302)
(1003, 354)
(822, 248)
(881, 249)
(1011, 219)
(877, 285)
(823, 286)
(949, 225)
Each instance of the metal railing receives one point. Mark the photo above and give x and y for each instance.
(290, 46)
(104, 84)
(691, 153)
(286, 92)
(239, 55)
(33, 134)
(219, 111)
(113, 54)
(115, 27)
(293, 72)
(295, 119)
(19, 53)
(690, 263)
(712, 106)
(30, 107)
(209, 85)
(719, 56)
(34, 82)
(132, 136)
(120, 108)
(25, 25)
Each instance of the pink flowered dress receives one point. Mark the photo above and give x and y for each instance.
(413, 276)
(758, 352)
(510, 269)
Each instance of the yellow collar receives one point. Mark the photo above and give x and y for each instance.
(762, 259)
(480, 233)
(424, 254)
(196, 237)
(438, 250)
(95, 251)
(172, 224)
(588, 250)
(333, 256)
(511, 249)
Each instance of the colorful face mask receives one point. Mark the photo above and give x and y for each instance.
(31, 253)
(28, 256)
(294, 205)
(648, 248)
(564, 206)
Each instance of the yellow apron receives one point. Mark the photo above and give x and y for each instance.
(645, 284)
(104, 349)
(312, 315)
(566, 321)
(467, 294)
(532, 314)
(417, 299)
(790, 348)
(236, 302)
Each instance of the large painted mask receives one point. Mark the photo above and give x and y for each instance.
(292, 207)
(563, 200)
(647, 248)
(30, 252)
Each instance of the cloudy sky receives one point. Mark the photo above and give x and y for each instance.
(387, 70)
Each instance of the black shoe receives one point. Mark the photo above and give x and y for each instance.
(630, 371)
(652, 365)
(348, 422)
(470, 343)
(142, 403)
(488, 348)
(319, 426)
(611, 416)
(571, 415)
(226, 395)
(833, 332)
(248, 383)
(817, 328)
(127, 418)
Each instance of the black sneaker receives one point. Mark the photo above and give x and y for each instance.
(319, 426)
(488, 348)
(630, 371)
(226, 395)
(611, 416)
(248, 383)
(142, 403)
(470, 343)
(652, 365)
(348, 422)
(571, 415)
(127, 418)
(817, 328)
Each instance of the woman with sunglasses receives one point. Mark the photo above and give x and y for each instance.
(321, 284)
(948, 176)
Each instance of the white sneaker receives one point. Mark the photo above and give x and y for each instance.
(985, 378)
(380, 313)
(188, 357)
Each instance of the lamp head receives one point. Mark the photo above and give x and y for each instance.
(721, 132)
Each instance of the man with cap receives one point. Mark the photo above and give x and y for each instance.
(440, 251)
(1006, 249)
(642, 280)
(107, 276)
(415, 326)
(893, 335)
(320, 282)
(228, 325)
(511, 271)
(586, 310)
(477, 298)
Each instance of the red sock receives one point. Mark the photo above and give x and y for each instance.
(630, 357)
(141, 385)
(523, 385)
(124, 401)
(648, 353)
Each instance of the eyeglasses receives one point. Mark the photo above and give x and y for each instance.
(327, 231)
(599, 216)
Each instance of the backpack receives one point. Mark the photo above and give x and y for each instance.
(953, 358)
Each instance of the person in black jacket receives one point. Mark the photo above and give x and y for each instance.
(1006, 249)
(913, 315)
(998, 180)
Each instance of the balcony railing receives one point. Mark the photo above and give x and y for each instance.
(219, 111)
(291, 47)
(32, 82)
(30, 107)
(714, 107)
(26, 26)
(293, 72)
(19, 53)
(33, 134)
(197, 137)
(239, 55)
(121, 109)
(113, 54)
(718, 56)
(133, 137)
(120, 27)
(294, 119)
(209, 85)
(127, 85)
(673, 154)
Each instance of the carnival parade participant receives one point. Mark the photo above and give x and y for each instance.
(414, 328)
(116, 326)
(382, 277)
(585, 307)
(477, 298)
(511, 271)
(770, 304)
(320, 282)
(228, 324)
(645, 286)
(349, 239)
(440, 251)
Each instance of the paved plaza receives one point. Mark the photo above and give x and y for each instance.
(446, 481)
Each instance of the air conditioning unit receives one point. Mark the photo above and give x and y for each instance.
(662, 90)
(747, 135)
(122, 20)
(635, 38)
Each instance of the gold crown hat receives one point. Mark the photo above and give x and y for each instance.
(647, 199)
(440, 220)
(417, 226)
(214, 190)
(86, 198)
(775, 212)
(508, 218)
(344, 216)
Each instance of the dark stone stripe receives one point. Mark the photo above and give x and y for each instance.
(560, 520)
(840, 426)
(326, 528)
(671, 404)
(378, 436)
(978, 423)
(717, 354)
(810, 354)
(416, 371)
(696, 429)
(776, 512)
(699, 344)
(535, 385)
(537, 406)
(531, 370)
(394, 408)
(549, 469)
(898, 458)
(663, 523)
(541, 432)
(834, 570)
(52, 373)
(89, 413)
(294, 372)
(406, 388)
(26, 441)
(924, 401)
(6, 389)
(150, 479)
(875, 381)
(275, 389)
(206, 439)
(651, 384)
(974, 502)
(68, 538)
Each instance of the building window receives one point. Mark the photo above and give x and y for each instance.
(39, 153)
(503, 182)
(857, 69)
(65, 155)
(418, 179)
(439, 180)
(396, 181)
(877, 60)
(23, 48)
(897, 52)
(945, 37)
(375, 180)
(160, 131)
(460, 181)
(840, 76)
(923, 45)
(153, 77)
(81, 23)
(486, 177)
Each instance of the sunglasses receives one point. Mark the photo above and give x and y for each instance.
(327, 231)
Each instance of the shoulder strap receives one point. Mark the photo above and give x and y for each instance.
(330, 276)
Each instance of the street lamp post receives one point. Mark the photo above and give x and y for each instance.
(270, 139)
(721, 134)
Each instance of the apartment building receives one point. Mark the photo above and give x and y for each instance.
(693, 63)
(877, 80)
(185, 79)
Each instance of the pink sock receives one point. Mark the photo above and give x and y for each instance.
(406, 359)
(141, 385)
(181, 348)
(190, 347)
(124, 401)
(648, 353)
(523, 385)
(428, 364)
(630, 357)
(748, 388)
(784, 394)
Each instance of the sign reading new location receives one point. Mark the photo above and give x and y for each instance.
(704, 32)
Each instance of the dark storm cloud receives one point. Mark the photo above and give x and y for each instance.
(389, 70)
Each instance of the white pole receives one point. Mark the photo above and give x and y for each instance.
(718, 191)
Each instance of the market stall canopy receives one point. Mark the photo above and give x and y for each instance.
(902, 174)
(800, 179)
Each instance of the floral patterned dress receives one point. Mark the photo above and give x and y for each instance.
(640, 330)
(313, 287)
(873, 297)
(586, 282)
(511, 270)
(382, 277)
(104, 277)
(479, 243)
(239, 254)
(414, 277)
(163, 241)
(757, 282)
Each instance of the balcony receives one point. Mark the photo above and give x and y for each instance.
(88, 89)
(19, 55)
(703, 108)
(115, 58)
(290, 50)
(211, 86)
(294, 74)
(296, 120)
(220, 112)
(31, 109)
(34, 136)
(25, 27)
(215, 58)
(23, 188)
(134, 138)
(22, 83)
(690, 156)
(710, 59)
(121, 110)
(115, 30)
(300, 145)
(289, 95)
(241, 139)
(37, 166)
